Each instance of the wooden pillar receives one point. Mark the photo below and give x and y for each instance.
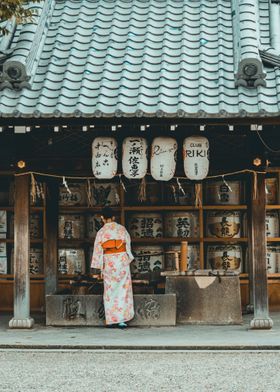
(51, 234)
(250, 305)
(21, 317)
(256, 224)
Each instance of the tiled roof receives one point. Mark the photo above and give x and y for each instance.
(172, 58)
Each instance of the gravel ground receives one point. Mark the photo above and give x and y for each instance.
(56, 371)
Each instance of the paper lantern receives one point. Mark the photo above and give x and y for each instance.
(134, 158)
(104, 157)
(163, 158)
(196, 157)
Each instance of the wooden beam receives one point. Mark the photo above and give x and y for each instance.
(21, 317)
(257, 255)
(51, 235)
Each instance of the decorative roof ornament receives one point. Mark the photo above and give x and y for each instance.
(250, 73)
(248, 64)
(17, 63)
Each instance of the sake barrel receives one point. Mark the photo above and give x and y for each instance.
(71, 226)
(221, 193)
(163, 158)
(181, 224)
(94, 224)
(36, 261)
(174, 251)
(196, 157)
(152, 193)
(272, 224)
(224, 224)
(71, 261)
(105, 194)
(134, 157)
(104, 157)
(3, 258)
(3, 221)
(147, 259)
(148, 225)
(3, 249)
(174, 195)
(272, 257)
(77, 197)
(224, 257)
(35, 227)
(3, 265)
(36, 265)
(271, 194)
(277, 258)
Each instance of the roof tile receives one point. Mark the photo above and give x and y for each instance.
(150, 57)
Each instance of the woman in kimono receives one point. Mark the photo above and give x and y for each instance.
(112, 255)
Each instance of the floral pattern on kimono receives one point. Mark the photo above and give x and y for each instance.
(118, 295)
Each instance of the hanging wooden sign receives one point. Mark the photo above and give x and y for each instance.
(104, 157)
(134, 157)
(196, 157)
(163, 158)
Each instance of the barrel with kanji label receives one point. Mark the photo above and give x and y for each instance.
(222, 224)
(71, 261)
(271, 190)
(71, 226)
(181, 224)
(146, 225)
(147, 259)
(180, 194)
(272, 258)
(93, 224)
(36, 261)
(105, 194)
(223, 193)
(73, 195)
(272, 224)
(224, 257)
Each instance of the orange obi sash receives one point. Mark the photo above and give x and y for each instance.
(113, 246)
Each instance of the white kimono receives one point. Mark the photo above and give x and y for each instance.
(118, 295)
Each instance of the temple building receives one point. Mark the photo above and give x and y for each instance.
(199, 77)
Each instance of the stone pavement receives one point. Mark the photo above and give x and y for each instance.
(181, 337)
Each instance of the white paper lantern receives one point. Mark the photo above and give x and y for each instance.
(104, 157)
(163, 158)
(196, 157)
(134, 157)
